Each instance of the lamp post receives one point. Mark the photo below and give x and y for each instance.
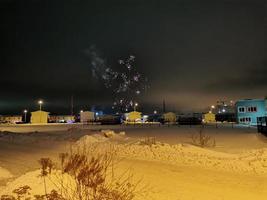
(40, 102)
(25, 115)
(135, 105)
(212, 108)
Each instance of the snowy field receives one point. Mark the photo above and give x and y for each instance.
(175, 169)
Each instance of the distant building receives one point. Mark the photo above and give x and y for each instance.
(248, 110)
(61, 118)
(39, 117)
(134, 116)
(87, 116)
(169, 117)
(12, 119)
(209, 117)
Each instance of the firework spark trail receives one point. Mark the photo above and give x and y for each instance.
(126, 83)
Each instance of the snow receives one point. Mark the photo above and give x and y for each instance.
(172, 167)
(4, 174)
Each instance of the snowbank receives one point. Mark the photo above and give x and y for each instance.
(36, 183)
(4, 174)
(254, 161)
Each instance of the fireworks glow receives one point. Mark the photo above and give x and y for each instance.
(126, 83)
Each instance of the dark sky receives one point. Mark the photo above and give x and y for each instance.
(193, 53)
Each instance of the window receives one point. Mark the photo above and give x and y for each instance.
(252, 109)
(245, 119)
(241, 109)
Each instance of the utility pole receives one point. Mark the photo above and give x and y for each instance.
(71, 105)
(163, 106)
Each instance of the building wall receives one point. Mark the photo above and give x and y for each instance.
(87, 116)
(248, 110)
(61, 118)
(134, 116)
(209, 117)
(169, 117)
(11, 119)
(39, 117)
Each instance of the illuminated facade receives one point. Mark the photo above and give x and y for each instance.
(61, 118)
(134, 116)
(87, 116)
(209, 117)
(249, 109)
(169, 117)
(12, 119)
(39, 117)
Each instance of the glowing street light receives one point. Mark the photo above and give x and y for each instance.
(25, 115)
(212, 106)
(135, 105)
(155, 112)
(81, 111)
(40, 102)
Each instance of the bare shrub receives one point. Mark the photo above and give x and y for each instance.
(94, 178)
(54, 195)
(8, 197)
(86, 174)
(203, 140)
(22, 192)
(148, 141)
(92, 172)
(46, 168)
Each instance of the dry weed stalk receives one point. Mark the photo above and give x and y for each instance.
(92, 169)
(86, 174)
(46, 168)
(148, 141)
(203, 140)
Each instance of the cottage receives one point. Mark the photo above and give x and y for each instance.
(39, 117)
(134, 116)
(87, 116)
(169, 117)
(209, 117)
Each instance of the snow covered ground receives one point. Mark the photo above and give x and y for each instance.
(236, 168)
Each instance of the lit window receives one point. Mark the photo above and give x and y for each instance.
(241, 109)
(252, 109)
(245, 119)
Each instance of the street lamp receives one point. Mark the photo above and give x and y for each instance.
(155, 112)
(135, 105)
(40, 102)
(25, 115)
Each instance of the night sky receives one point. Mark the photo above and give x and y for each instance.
(192, 53)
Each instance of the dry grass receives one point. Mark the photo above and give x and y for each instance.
(203, 140)
(85, 174)
(148, 141)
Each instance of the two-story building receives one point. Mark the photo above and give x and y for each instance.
(248, 110)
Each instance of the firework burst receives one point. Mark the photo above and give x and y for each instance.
(126, 83)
